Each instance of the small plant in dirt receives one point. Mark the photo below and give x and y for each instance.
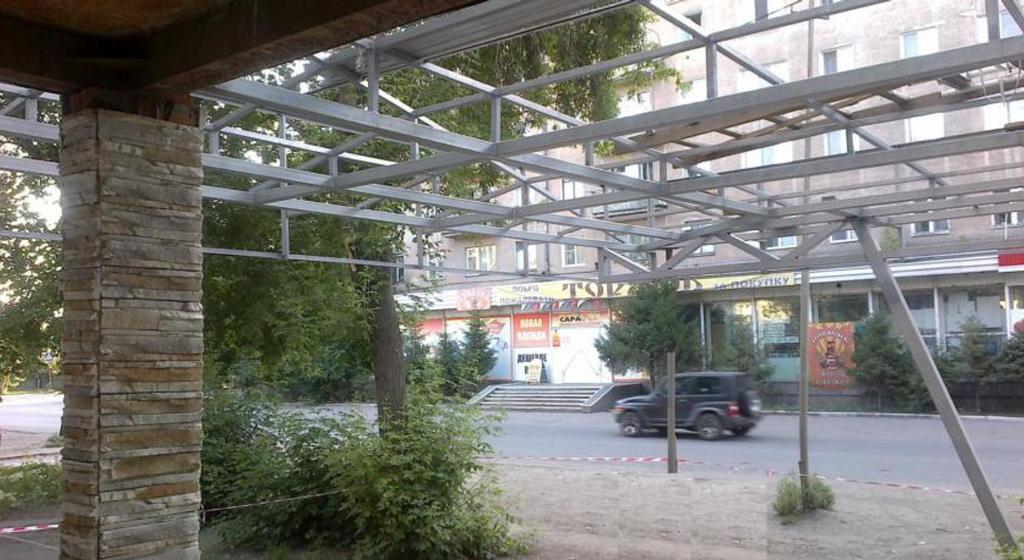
(793, 500)
(55, 440)
(29, 485)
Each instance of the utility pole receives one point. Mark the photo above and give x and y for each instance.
(805, 372)
(670, 426)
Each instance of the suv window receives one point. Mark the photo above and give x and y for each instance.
(708, 386)
(686, 385)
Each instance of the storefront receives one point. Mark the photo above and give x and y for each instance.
(558, 322)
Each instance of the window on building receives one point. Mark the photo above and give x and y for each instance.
(526, 257)
(779, 242)
(749, 81)
(998, 115)
(756, 10)
(643, 171)
(635, 105)
(572, 255)
(697, 90)
(436, 261)
(778, 332)
(398, 273)
(1008, 219)
(919, 42)
(481, 258)
(841, 308)
(837, 59)
(835, 143)
(843, 236)
(570, 189)
(925, 127)
(931, 227)
(696, 16)
(922, 310)
(983, 303)
(707, 248)
(1007, 27)
(768, 155)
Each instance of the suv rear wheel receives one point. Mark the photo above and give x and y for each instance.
(630, 425)
(709, 426)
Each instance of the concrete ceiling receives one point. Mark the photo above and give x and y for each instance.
(109, 18)
(66, 46)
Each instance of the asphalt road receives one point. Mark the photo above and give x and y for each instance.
(899, 450)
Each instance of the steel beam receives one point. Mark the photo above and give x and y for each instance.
(936, 387)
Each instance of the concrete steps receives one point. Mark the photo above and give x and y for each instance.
(516, 396)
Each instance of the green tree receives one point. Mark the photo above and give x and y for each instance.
(742, 353)
(449, 361)
(970, 362)
(883, 366)
(477, 348)
(648, 324)
(30, 306)
(1009, 366)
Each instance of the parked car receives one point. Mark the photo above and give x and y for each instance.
(709, 403)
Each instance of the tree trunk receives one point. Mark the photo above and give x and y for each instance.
(388, 361)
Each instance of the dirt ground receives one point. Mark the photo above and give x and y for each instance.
(605, 512)
(638, 512)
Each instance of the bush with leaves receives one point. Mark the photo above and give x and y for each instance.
(29, 485)
(417, 491)
(647, 325)
(793, 499)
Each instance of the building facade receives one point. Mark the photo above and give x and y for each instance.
(558, 320)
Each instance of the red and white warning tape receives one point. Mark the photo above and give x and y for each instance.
(27, 529)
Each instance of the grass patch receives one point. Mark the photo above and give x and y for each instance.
(56, 440)
(29, 485)
(792, 500)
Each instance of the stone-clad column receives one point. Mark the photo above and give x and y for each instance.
(133, 341)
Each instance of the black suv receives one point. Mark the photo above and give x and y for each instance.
(706, 402)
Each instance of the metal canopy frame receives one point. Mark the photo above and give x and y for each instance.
(736, 211)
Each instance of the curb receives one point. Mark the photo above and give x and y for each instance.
(893, 415)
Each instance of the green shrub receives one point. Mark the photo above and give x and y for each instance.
(29, 485)
(416, 492)
(253, 451)
(792, 500)
(419, 492)
(788, 500)
(818, 495)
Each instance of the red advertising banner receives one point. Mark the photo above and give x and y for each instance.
(831, 355)
(531, 330)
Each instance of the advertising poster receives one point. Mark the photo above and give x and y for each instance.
(531, 330)
(831, 355)
(473, 299)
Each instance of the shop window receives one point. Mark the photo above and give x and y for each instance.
(985, 304)
(778, 332)
(922, 310)
(721, 321)
(841, 308)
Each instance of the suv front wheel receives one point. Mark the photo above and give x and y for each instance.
(709, 426)
(630, 425)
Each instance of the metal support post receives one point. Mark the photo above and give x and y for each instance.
(670, 426)
(495, 119)
(992, 19)
(373, 80)
(936, 388)
(286, 238)
(805, 373)
(711, 69)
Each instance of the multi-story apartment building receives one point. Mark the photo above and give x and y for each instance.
(559, 320)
